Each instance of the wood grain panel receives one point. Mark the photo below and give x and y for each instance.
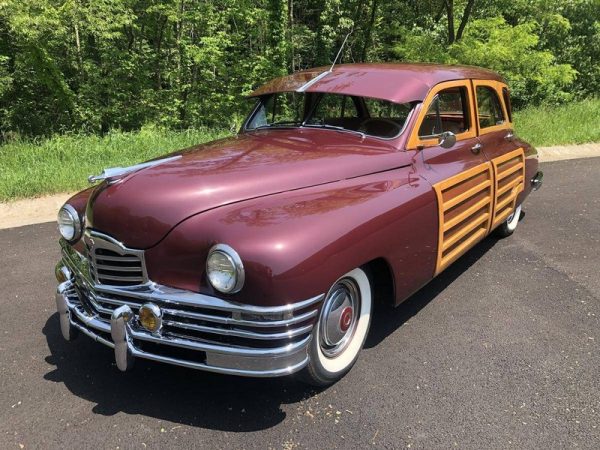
(509, 182)
(465, 203)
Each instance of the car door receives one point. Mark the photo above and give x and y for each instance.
(461, 175)
(494, 121)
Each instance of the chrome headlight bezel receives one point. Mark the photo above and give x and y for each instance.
(237, 268)
(75, 223)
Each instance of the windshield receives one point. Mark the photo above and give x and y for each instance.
(363, 115)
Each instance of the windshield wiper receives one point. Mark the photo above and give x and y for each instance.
(283, 123)
(334, 127)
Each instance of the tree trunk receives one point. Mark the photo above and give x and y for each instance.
(291, 31)
(465, 19)
(368, 32)
(450, 14)
(78, 46)
(158, 51)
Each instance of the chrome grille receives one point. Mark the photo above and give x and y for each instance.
(193, 318)
(113, 264)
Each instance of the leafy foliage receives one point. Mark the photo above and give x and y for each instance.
(98, 65)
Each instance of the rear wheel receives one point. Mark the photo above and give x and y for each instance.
(341, 330)
(509, 226)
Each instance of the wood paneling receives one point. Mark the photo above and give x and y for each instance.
(465, 211)
(509, 182)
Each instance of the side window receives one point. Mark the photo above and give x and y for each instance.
(506, 95)
(449, 111)
(489, 107)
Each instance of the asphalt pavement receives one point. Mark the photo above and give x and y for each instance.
(499, 351)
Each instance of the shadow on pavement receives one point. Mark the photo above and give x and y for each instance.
(167, 392)
(203, 399)
(388, 319)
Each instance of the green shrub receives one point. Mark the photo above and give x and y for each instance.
(512, 51)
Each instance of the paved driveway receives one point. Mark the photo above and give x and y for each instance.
(499, 351)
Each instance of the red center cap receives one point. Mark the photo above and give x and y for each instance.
(346, 318)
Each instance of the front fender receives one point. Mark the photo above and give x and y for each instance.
(79, 202)
(294, 245)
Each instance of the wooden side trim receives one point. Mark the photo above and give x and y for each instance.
(415, 141)
(465, 195)
(464, 212)
(510, 185)
(496, 87)
(509, 182)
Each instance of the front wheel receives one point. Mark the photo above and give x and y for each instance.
(509, 226)
(341, 331)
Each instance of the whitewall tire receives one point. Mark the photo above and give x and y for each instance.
(341, 330)
(509, 226)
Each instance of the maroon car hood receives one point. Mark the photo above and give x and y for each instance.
(144, 206)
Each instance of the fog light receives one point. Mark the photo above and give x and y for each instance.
(150, 317)
(62, 273)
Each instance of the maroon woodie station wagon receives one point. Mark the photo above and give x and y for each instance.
(263, 254)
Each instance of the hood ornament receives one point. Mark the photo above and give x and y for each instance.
(119, 171)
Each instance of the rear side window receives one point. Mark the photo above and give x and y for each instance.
(489, 107)
(448, 112)
(506, 95)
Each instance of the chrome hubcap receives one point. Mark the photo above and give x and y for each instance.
(339, 317)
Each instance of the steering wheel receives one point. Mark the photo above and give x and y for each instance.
(395, 127)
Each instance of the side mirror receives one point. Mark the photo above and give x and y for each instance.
(447, 139)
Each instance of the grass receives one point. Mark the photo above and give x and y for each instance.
(30, 168)
(573, 123)
(62, 163)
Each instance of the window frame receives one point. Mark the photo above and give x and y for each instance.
(495, 86)
(507, 102)
(416, 142)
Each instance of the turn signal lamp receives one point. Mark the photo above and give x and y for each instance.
(150, 317)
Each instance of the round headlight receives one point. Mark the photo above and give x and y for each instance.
(225, 269)
(69, 224)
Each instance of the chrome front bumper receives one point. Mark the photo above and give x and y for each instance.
(199, 331)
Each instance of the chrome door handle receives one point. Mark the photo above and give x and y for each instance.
(476, 148)
(510, 136)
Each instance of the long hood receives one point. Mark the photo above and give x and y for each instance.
(142, 207)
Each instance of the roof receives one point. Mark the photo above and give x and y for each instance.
(400, 83)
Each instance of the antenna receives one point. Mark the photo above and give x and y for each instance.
(340, 50)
